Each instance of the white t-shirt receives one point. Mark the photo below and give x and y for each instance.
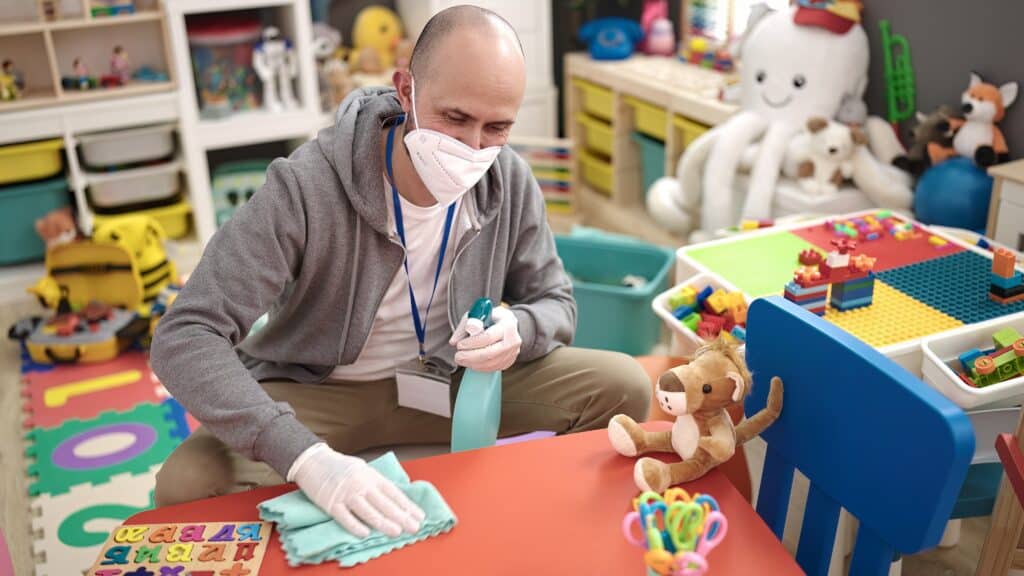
(392, 340)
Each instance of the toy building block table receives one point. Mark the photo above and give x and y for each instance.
(551, 506)
(928, 285)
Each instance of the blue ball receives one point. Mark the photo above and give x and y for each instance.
(954, 193)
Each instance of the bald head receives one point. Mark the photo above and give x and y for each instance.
(459, 21)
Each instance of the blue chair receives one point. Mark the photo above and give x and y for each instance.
(869, 436)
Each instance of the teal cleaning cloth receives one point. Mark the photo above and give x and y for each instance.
(310, 536)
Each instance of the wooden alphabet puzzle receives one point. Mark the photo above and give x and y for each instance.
(197, 549)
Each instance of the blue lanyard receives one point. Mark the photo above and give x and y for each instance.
(418, 324)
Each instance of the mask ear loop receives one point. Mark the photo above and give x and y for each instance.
(412, 82)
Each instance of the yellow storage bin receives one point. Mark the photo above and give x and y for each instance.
(649, 119)
(597, 100)
(597, 172)
(174, 218)
(599, 134)
(689, 129)
(31, 161)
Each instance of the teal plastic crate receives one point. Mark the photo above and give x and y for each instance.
(652, 159)
(611, 316)
(20, 206)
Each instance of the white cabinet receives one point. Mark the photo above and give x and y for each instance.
(532, 22)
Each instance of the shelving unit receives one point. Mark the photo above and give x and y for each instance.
(44, 51)
(666, 100)
(200, 136)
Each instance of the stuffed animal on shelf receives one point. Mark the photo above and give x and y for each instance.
(57, 227)
(697, 394)
(977, 136)
(379, 29)
(823, 155)
(931, 128)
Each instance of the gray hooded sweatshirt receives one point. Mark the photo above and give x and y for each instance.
(314, 249)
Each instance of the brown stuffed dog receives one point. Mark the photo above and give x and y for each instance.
(697, 394)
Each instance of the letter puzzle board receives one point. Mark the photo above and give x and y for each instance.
(926, 282)
(210, 549)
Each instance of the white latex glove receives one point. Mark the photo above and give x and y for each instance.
(490, 350)
(353, 493)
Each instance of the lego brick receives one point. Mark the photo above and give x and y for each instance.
(739, 313)
(955, 284)
(739, 333)
(1015, 280)
(1005, 337)
(853, 294)
(692, 321)
(1006, 301)
(967, 359)
(1003, 262)
(1006, 292)
(687, 296)
(712, 319)
(893, 317)
(683, 311)
(717, 302)
(850, 304)
(802, 291)
(704, 295)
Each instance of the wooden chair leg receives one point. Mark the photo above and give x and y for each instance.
(1000, 551)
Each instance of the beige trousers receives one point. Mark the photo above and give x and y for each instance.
(569, 390)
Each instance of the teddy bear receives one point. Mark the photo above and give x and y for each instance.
(931, 128)
(698, 394)
(57, 227)
(821, 157)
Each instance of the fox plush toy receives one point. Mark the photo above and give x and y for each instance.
(697, 394)
(977, 135)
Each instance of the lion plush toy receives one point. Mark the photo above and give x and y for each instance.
(697, 394)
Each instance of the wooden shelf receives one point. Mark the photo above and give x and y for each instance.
(132, 89)
(31, 98)
(255, 126)
(77, 23)
(200, 6)
(599, 210)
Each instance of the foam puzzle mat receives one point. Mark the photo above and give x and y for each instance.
(98, 433)
(926, 283)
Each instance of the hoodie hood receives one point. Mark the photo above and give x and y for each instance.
(352, 147)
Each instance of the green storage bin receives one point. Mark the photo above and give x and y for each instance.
(652, 159)
(20, 206)
(611, 316)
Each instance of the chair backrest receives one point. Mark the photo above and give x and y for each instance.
(869, 436)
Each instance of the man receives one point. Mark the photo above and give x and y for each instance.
(367, 245)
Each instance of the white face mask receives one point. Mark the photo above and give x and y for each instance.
(446, 166)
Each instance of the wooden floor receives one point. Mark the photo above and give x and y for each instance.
(958, 561)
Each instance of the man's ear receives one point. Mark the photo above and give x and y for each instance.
(739, 383)
(402, 79)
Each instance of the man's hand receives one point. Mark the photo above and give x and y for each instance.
(353, 493)
(490, 350)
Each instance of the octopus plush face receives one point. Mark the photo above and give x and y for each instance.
(710, 382)
(792, 72)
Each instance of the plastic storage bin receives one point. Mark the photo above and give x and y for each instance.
(689, 130)
(649, 119)
(652, 159)
(688, 339)
(597, 172)
(611, 316)
(222, 48)
(174, 218)
(941, 354)
(146, 144)
(233, 183)
(597, 100)
(20, 206)
(135, 186)
(599, 134)
(31, 161)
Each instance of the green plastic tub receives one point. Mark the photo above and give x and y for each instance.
(20, 206)
(610, 315)
(652, 159)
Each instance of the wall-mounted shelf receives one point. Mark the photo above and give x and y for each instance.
(255, 126)
(74, 23)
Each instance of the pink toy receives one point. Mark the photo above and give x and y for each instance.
(119, 64)
(661, 38)
(653, 10)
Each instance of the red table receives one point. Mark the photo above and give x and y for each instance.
(550, 506)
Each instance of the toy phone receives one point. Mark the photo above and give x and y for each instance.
(611, 38)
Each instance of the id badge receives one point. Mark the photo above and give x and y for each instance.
(425, 388)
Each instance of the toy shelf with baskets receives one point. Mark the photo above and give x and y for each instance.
(629, 121)
(44, 51)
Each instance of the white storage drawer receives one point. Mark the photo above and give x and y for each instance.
(134, 186)
(127, 146)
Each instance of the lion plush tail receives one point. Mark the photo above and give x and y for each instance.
(759, 422)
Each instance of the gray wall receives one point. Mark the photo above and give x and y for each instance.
(948, 39)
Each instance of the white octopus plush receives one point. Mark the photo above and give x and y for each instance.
(789, 74)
